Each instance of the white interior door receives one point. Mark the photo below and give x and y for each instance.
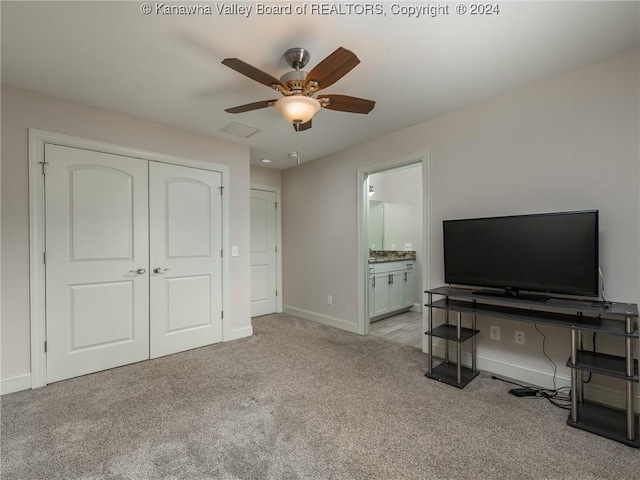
(186, 264)
(263, 252)
(97, 251)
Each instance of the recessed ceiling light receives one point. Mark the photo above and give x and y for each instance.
(266, 160)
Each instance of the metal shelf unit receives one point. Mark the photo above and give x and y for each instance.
(619, 319)
(456, 374)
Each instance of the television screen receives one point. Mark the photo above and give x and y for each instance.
(551, 252)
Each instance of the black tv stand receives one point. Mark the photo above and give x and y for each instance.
(578, 316)
(513, 293)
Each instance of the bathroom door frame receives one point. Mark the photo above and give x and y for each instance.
(362, 219)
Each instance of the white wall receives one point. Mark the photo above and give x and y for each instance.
(22, 110)
(269, 177)
(568, 143)
(402, 196)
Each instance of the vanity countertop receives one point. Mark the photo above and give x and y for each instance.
(381, 256)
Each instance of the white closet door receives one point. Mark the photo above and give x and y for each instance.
(97, 280)
(263, 252)
(185, 252)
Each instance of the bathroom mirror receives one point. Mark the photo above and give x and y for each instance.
(376, 224)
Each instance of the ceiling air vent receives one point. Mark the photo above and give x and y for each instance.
(240, 130)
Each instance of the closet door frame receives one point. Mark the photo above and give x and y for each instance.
(37, 245)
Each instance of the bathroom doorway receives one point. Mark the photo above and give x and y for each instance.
(393, 242)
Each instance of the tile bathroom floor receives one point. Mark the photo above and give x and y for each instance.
(405, 328)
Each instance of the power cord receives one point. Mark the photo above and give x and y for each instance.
(594, 351)
(604, 302)
(555, 396)
(555, 367)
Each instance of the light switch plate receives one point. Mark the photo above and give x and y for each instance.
(234, 250)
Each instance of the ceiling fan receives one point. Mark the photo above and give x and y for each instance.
(299, 103)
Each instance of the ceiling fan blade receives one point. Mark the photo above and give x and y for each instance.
(302, 126)
(333, 68)
(251, 106)
(345, 103)
(253, 73)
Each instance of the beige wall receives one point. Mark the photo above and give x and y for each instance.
(567, 143)
(269, 177)
(22, 110)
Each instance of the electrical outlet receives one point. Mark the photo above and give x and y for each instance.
(329, 300)
(518, 337)
(408, 247)
(393, 246)
(494, 333)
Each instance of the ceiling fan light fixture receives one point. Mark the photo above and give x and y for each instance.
(297, 108)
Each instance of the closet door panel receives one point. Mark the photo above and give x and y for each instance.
(97, 248)
(186, 264)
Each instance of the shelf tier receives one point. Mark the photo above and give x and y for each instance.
(605, 421)
(450, 332)
(447, 373)
(614, 319)
(604, 364)
(564, 320)
(587, 307)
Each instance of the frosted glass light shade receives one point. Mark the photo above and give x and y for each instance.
(297, 108)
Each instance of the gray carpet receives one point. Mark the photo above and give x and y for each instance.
(298, 400)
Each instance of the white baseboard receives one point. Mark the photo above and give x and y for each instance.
(417, 307)
(15, 384)
(522, 373)
(609, 396)
(532, 376)
(320, 318)
(526, 374)
(238, 333)
(23, 382)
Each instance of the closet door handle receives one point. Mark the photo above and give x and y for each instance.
(160, 270)
(140, 271)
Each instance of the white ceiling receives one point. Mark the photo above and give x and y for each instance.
(167, 67)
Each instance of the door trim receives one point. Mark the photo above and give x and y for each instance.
(362, 208)
(277, 191)
(37, 141)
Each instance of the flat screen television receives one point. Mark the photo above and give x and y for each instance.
(547, 252)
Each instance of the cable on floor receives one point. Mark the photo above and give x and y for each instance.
(556, 396)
